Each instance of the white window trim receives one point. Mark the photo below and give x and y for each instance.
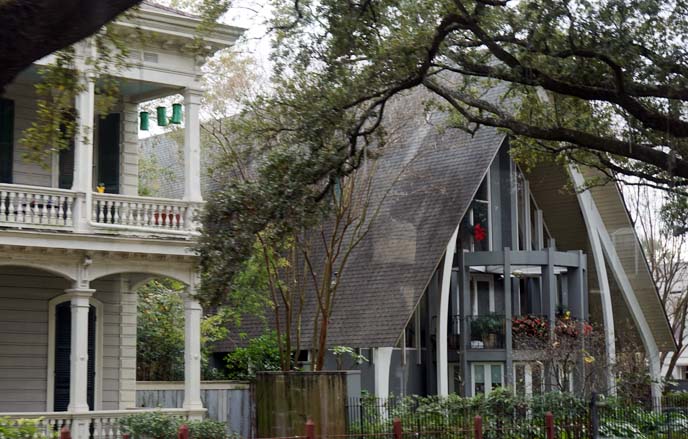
(475, 278)
(98, 381)
(487, 374)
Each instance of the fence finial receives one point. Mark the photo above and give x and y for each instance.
(396, 428)
(478, 427)
(310, 429)
(549, 425)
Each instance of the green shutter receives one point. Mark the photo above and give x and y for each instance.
(63, 347)
(108, 152)
(67, 167)
(6, 140)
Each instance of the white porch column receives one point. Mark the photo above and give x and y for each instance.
(83, 140)
(382, 360)
(78, 372)
(192, 146)
(442, 318)
(192, 352)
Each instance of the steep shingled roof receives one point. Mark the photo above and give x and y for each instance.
(388, 272)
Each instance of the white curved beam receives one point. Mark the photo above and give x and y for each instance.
(443, 318)
(600, 236)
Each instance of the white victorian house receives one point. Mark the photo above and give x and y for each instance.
(71, 257)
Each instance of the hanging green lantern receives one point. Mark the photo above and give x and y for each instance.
(162, 116)
(143, 116)
(176, 113)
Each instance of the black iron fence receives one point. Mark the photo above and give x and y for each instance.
(521, 419)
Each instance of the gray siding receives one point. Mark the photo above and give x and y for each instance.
(23, 172)
(24, 296)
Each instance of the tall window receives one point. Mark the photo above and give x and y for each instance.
(6, 140)
(480, 218)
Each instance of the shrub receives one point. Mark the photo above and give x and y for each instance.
(19, 428)
(207, 429)
(158, 425)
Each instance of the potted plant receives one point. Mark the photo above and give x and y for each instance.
(492, 327)
(486, 329)
(101, 188)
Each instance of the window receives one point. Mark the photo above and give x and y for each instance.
(108, 152)
(487, 377)
(479, 217)
(482, 294)
(455, 379)
(529, 379)
(529, 295)
(6, 140)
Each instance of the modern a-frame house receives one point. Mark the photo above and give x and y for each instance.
(465, 243)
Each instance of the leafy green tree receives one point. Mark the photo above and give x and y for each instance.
(160, 333)
(260, 354)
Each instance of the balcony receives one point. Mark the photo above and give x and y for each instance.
(32, 207)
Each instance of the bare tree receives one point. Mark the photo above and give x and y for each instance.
(664, 254)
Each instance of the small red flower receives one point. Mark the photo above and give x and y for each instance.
(479, 232)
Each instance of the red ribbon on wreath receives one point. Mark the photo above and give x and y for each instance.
(479, 232)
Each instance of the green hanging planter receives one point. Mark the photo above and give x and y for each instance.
(162, 116)
(144, 120)
(176, 114)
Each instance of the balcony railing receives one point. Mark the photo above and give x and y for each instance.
(44, 208)
(155, 214)
(36, 207)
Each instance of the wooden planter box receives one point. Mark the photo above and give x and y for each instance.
(285, 400)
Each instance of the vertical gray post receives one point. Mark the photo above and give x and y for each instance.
(576, 291)
(539, 230)
(549, 290)
(527, 238)
(465, 294)
(515, 297)
(514, 207)
(549, 285)
(507, 317)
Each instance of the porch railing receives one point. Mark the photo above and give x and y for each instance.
(159, 214)
(102, 424)
(35, 207)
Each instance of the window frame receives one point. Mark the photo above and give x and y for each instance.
(487, 377)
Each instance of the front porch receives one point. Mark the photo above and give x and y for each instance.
(68, 336)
